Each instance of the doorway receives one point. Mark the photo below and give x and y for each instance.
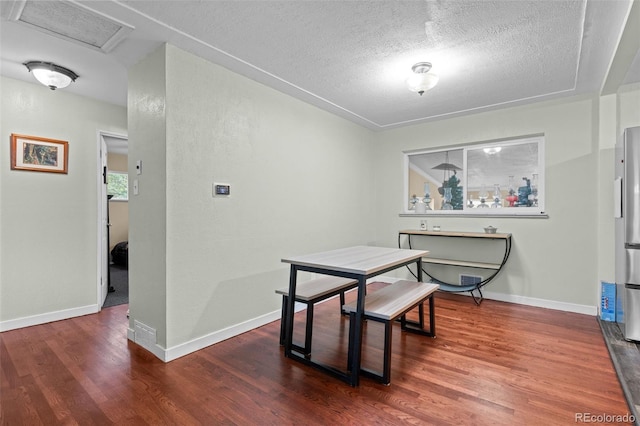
(113, 215)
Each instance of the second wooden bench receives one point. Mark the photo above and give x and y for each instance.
(311, 292)
(390, 303)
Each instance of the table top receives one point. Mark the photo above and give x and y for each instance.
(362, 260)
(455, 234)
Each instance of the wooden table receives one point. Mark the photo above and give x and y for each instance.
(360, 263)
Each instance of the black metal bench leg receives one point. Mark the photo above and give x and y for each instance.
(352, 318)
(308, 330)
(308, 327)
(432, 315)
(386, 375)
(282, 319)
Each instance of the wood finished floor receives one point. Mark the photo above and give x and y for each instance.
(493, 364)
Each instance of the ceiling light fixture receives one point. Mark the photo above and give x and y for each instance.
(492, 150)
(51, 75)
(421, 80)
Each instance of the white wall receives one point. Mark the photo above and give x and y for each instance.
(552, 259)
(301, 181)
(49, 224)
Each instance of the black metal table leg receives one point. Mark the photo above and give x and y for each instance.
(288, 338)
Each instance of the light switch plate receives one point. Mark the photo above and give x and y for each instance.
(139, 167)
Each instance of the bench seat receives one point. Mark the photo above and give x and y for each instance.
(311, 292)
(390, 303)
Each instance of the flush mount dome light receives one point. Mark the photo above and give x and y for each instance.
(51, 75)
(421, 80)
(492, 150)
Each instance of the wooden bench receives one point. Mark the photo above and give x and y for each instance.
(311, 292)
(387, 305)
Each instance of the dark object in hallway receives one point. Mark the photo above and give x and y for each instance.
(120, 254)
(120, 285)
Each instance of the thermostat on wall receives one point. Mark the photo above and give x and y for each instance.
(221, 189)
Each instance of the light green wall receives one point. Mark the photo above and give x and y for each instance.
(301, 181)
(608, 135)
(148, 210)
(49, 223)
(628, 107)
(553, 259)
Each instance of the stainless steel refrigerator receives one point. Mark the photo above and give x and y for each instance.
(627, 228)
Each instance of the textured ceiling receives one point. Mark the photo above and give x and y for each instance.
(353, 57)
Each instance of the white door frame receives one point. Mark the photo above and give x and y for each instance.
(103, 252)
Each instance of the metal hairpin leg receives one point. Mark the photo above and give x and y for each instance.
(477, 299)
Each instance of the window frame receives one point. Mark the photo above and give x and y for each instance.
(119, 173)
(505, 211)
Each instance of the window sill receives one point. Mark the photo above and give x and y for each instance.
(507, 216)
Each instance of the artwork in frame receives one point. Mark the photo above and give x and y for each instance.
(39, 154)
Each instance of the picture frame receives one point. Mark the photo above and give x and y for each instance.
(39, 154)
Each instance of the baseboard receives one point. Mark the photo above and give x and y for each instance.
(218, 336)
(227, 333)
(47, 317)
(542, 303)
(202, 342)
(522, 300)
(194, 345)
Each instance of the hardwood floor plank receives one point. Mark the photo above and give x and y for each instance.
(493, 364)
(21, 402)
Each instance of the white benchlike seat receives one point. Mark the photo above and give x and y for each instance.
(322, 287)
(390, 303)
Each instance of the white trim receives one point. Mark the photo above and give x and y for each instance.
(521, 300)
(101, 250)
(218, 336)
(48, 317)
(194, 345)
(539, 139)
(156, 349)
(542, 303)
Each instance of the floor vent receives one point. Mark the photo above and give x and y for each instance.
(145, 336)
(470, 279)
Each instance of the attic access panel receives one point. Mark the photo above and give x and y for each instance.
(72, 22)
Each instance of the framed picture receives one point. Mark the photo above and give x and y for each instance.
(39, 154)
